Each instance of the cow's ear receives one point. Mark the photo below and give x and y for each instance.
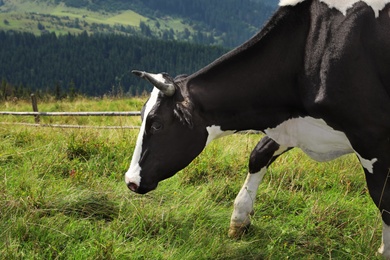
(183, 111)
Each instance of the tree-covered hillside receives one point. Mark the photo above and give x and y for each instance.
(213, 22)
(229, 23)
(92, 65)
(90, 46)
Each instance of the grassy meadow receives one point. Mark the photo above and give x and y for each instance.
(63, 196)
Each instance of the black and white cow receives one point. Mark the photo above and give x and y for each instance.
(316, 77)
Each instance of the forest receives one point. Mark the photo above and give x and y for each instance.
(91, 65)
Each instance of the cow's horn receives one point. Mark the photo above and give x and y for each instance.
(167, 88)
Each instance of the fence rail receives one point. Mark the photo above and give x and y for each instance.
(131, 113)
(136, 113)
(71, 126)
(37, 115)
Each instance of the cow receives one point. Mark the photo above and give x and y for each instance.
(316, 77)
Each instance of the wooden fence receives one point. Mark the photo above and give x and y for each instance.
(71, 126)
(35, 114)
(38, 114)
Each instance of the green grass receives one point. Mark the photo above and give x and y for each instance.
(62, 196)
(127, 18)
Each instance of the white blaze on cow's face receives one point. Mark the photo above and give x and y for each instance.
(133, 174)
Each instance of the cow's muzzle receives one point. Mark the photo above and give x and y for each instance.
(140, 189)
(132, 186)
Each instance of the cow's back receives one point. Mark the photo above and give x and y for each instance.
(380, 45)
(347, 61)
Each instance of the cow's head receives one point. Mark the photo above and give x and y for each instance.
(171, 134)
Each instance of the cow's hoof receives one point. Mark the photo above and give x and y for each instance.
(384, 253)
(237, 231)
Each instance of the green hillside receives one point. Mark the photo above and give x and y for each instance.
(201, 21)
(53, 46)
(42, 17)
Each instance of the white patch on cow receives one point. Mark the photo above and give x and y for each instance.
(343, 5)
(216, 132)
(289, 2)
(281, 150)
(385, 247)
(313, 136)
(316, 139)
(133, 174)
(367, 164)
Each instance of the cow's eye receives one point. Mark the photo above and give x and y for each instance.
(156, 126)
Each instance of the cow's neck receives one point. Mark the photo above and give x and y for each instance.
(255, 85)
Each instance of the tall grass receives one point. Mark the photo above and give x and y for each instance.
(62, 196)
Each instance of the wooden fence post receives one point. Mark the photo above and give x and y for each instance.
(35, 108)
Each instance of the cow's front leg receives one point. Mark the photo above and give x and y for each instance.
(265, 152)
(378, 181)
(379, 187)
(243, 204)
(385, 247)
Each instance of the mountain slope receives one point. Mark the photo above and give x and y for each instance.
(85, 45)
(227, 23)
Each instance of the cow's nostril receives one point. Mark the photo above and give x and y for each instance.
(132, 186)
